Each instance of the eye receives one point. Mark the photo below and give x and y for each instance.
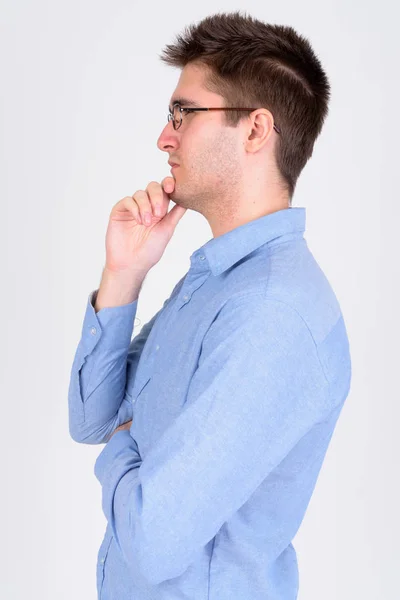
(186, 112)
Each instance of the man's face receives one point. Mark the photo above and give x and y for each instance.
(209, 154)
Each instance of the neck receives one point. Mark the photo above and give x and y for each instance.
(243, 211)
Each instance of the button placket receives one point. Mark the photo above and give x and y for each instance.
(103, 552)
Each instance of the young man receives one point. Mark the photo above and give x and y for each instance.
(218, 414)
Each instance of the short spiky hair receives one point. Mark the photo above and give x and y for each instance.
(252, 63)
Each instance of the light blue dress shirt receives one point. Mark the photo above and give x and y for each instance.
(234, 387)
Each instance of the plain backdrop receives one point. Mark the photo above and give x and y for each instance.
(84, 97)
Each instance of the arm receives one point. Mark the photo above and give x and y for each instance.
(258, 389)
(104, 361)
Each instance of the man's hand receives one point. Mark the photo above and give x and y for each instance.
(132, 242)
(121, 427)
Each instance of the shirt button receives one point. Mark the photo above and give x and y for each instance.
(157, 347)
(93, 331)
(186, 297)
(201, 257)
(102, 561)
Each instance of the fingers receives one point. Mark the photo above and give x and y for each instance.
(145, 208)
(158, 200)
(158, 195)
(168, 183)
(153, 203)
(150, 204)
(167, 186)
(127, 205)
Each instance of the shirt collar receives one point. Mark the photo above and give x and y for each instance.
(225, 250)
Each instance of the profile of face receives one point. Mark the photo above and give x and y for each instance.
(210, 154)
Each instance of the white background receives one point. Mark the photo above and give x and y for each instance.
(83, 100)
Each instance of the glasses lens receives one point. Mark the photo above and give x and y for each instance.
(177, 116)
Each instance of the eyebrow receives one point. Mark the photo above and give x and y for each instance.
(184, 102)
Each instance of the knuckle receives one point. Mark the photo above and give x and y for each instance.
(124, 200)
(141, 196)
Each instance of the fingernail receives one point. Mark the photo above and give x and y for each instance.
(157, 211)
(147, 218)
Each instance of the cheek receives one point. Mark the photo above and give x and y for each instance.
(202, 148)
(193, 152)
(198, 137)
(206, 150)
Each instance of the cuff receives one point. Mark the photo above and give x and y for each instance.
(113, 324)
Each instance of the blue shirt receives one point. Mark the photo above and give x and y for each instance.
(234, 387)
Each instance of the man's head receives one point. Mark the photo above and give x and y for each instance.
(230, 60)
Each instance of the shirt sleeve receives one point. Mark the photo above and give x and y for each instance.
(258, 389)
(104, 360)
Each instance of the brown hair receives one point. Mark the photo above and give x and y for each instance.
(256, 64)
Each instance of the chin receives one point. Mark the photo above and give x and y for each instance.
(178, 200)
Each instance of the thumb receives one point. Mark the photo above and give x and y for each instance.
(173, 217)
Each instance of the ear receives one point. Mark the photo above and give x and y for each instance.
(259, 129)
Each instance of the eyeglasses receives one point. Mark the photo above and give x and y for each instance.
(176, 114)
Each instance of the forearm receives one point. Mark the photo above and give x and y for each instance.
(96, 397)
(118, 288)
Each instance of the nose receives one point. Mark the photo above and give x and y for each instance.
(169, 138)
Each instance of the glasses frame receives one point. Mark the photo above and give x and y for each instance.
(190, 110)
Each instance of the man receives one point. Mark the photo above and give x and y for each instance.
(218, 414)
